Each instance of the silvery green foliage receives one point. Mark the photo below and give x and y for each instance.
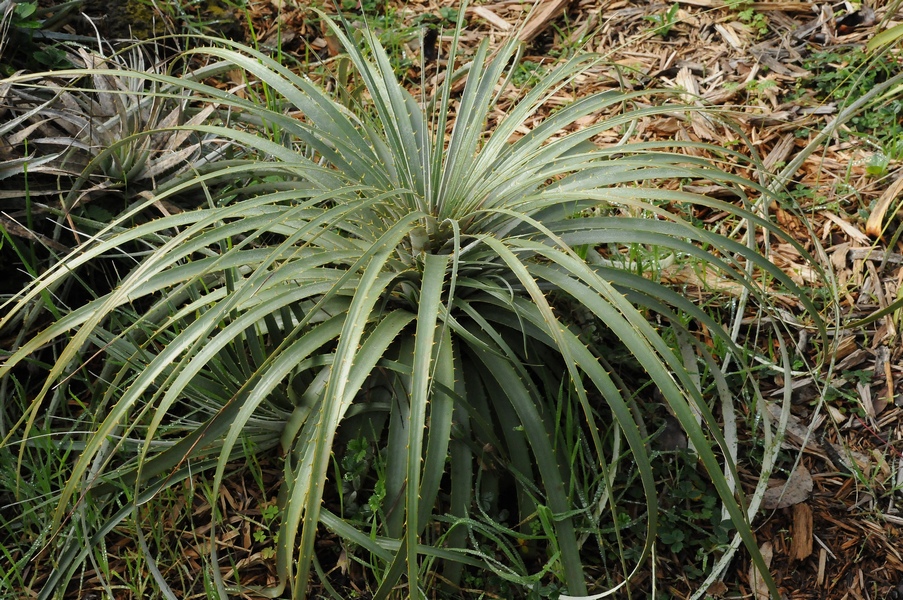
(356, 270)
(106, 120)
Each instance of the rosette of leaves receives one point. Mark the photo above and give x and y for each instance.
(359, 273)
(81, 144)
(107, 122)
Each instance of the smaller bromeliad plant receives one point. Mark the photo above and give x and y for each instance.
(367, 278)
(105, 122)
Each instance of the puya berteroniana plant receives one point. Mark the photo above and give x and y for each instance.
(364, 274)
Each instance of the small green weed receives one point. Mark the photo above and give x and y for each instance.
(566, 44)
(842, 393)
(694, 511)
(843, 76)
(663, 23)
(449, 14)
(876, 164)
(755, 20)
(754, 89)
(760, 86)
(889, 150)
(528, 74)
(364, 6)
(267, 531)
(23, 16)
(893, 146)
(810, 197)
(747, 14)
(19, 21)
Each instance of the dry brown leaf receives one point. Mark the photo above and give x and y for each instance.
(760, 588)
(839, 256)
(875, 223)
(717, 589)
(783, 493)
(796, 430)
